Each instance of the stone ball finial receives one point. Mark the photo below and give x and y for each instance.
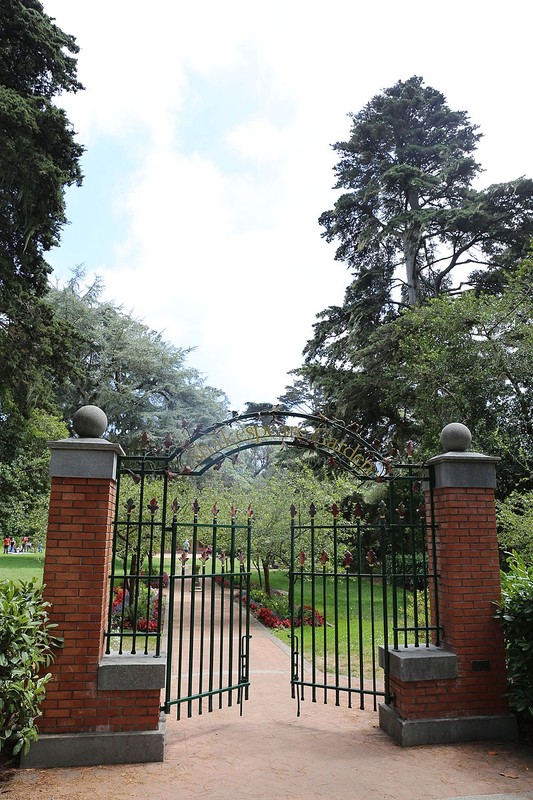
(455, 437)
(89, 422)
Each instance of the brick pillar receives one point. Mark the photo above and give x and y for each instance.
(98, 709)
(456, 692)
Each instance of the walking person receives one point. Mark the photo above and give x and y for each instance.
(7, 542)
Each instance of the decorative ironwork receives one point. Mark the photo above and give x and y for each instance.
(373, 584)
(358, 569)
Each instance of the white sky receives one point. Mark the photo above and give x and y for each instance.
(208, 128)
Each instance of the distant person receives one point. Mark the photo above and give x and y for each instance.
(186, 546)
(12, 545)
(7, 543)
(24, 544)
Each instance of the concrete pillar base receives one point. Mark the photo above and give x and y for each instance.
(410, 733)
(94, 749)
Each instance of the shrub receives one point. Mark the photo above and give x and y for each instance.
(516, 611)
(26, 642)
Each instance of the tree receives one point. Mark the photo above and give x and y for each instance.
(410, 227)
(141, 382)
(39, 158)
(24, 476)
(411, 217)
(470, 359)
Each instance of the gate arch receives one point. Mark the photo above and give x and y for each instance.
(220, 557)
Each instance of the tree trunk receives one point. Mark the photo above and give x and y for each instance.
(411, 243)
(259, 575)
(266, 572)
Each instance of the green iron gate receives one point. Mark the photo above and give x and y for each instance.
(195, 612)
(361, 580)
(358, 580)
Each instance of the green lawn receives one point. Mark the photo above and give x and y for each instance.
(22, 567)
(348, 643)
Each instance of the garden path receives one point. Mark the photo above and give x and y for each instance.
(329, 753)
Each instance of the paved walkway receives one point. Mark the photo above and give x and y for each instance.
(329, 753)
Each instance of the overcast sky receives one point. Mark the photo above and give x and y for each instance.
(207, 129)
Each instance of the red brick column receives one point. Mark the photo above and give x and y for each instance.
(457, 691)
(89, 693)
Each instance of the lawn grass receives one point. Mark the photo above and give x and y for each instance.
(22, 567)
(349, 641)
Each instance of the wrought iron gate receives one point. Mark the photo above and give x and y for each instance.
(361, 584)
(360, 580)
(179, 589)
(209, 616)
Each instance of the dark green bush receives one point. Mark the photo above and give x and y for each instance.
(26, 642)
(516, 611)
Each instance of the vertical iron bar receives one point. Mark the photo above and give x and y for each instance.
(292, 576)
(360, 612)
(202, 639)
(231, 609)
(373, 632)
(313, 604)
(160, 586)
(221, 635)
(212, 619)
(324, 603)
(170, 624)
(385, 618)
(336, 611)
(180, 644)
(194, 548)
(248, 588)
(395, 553)
(302, 635)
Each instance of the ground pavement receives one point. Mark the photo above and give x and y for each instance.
(329, 753)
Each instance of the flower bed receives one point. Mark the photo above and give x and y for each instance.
(141, 616)
(273, 610)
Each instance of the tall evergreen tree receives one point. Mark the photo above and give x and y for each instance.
(410, 226)
(39, 158)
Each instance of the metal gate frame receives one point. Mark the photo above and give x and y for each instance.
(397, 530)
(384, 549)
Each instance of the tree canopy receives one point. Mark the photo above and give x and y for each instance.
(141, 381)
(410, 226)
(39, 158)
(411, 218)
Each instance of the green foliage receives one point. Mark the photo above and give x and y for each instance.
(39, 158)
(515, 524)
(516, 613)
(24, 472)
(26, 642)
(470, 359)
(142, 382)
(409, 226)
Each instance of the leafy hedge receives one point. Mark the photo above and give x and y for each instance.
(26, 642)
(516, 611)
